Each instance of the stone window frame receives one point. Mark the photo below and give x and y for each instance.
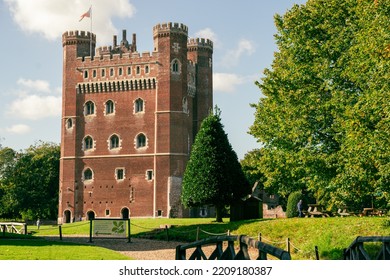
(112, 110)
(117, 146)
(139, 106)
(90, 145)
(149, 175)
(176, 66)
(89, 179)
(88, 110)
(69, 123)
(117, 173)
(141, 143)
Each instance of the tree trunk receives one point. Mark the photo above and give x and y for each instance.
(218, 210)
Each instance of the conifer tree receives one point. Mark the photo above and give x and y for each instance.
(213, 175)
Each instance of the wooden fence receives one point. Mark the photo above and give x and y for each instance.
(229, 253)
(357, 250)
(12, 227)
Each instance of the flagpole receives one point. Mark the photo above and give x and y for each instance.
(90, 41)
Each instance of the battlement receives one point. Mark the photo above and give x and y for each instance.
(165, 28)
(200, 43)
(74, 37)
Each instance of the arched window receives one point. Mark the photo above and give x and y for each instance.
(114, 142)
(109, 107)
(141, 141)
(88, 143)
(69, 123)
(88, 174)
(175, 66)
(89, 108)
(139, 105)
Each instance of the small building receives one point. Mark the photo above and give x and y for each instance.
(248, 207)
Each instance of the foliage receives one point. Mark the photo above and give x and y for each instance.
(29, 182)
(251, 169)
(292, 202)
(213, 174)
(324, 117)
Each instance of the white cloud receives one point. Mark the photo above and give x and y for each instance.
(207, 33)
(226, 82)
(19, 129)
(51, 18)
(35, 100)
(232, 57)
(35, 107)
(37, 85)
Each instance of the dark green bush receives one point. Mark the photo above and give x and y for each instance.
(292, 202)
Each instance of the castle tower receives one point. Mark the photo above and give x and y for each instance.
(128, 123)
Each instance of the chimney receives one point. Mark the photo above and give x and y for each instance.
(134, 43)
(114, 43)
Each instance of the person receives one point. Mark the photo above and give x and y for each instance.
(300, 208)
(38, 223)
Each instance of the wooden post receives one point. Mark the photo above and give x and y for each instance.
(25, 228)
(3, 226)
(288, 245)
(128, 231)
(259, 237)
(60, 229)
(90, 231)
(166, 229)
(317, 254)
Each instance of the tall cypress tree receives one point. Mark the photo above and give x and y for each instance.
(213, 175)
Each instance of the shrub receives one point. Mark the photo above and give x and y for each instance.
(292, 202)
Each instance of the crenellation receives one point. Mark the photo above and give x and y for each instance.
(194, 43)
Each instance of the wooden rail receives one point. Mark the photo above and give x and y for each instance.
(356, 250)
(11, 227)
(229, 253)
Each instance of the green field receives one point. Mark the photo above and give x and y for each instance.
(330, 235)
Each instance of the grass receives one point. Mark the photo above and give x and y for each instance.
(330, 235)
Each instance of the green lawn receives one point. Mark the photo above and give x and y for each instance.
(330, 235)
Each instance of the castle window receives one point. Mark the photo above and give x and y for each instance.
(85, 74)
(88, 143)
(107, 212)
(103, 72)
(120, 71)
(94, 73)
(120, 174)
(109, 107)
(149, 175)
(87, 174)
(175, 66)
(147, 69)
(89, 108)
(141, 141)
(138, 105)
(114, 142)
(128, 70)
(69, 123)
(111, 72)
(138, 71)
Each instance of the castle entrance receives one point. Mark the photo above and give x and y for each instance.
(125, 213)
(67, 216)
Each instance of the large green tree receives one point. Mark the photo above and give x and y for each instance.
(324, 117)
(213, 174)
(29, 182)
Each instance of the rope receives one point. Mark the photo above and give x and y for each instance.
(214, 234)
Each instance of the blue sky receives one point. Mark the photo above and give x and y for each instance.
(31, 55)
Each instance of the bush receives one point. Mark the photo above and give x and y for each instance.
(292, 202)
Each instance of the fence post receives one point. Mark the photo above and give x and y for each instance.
(228, 233)
(25, 228)
(259, 237)
(60, 229)
(128, 231)
(317, 254)
(3, 226)
(166, 228)
(288, 245)
(197, 233)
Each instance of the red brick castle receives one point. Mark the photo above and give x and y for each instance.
(128, 122)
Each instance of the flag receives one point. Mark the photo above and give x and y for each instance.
(86, 14)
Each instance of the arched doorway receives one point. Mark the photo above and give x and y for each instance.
(67, 216)
(125, 213)
(90, 215)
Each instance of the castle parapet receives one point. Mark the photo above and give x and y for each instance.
(77, 37)
(196, 43)
(164, 29)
